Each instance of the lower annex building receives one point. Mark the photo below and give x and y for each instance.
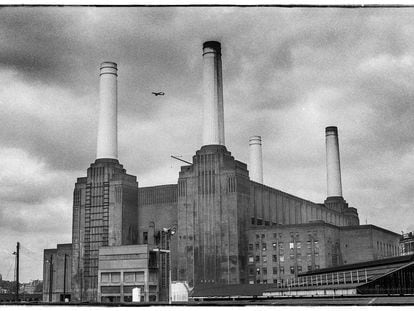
(229, 227)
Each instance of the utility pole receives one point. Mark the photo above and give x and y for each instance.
(17, 270)
(50, 277)
(64, 280)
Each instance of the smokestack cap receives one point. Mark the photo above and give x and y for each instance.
(255, 140)
(331, 129)
(109, 67)
(215, 45)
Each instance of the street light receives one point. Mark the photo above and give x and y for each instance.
(169, 233)
(165, 251)
(50, 276)
(16, 253)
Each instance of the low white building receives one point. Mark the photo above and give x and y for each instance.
(123, 268)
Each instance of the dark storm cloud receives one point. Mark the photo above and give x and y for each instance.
(59, 185)
(15, 219)
(37, 42)
(64, 46)
(63, 147)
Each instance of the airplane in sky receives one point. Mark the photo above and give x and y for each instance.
(158, 93)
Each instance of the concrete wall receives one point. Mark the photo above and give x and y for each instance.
(406, 246)
(157, 209)
(49, 271)
(367, 242)
(301, 247)
(269, 206)
(336, 246)
(57, 271)
(104, 213)
(209, 216)
(156, 205)
(132, 267)
(78, 236)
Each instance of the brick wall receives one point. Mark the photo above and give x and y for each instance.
(367, 242)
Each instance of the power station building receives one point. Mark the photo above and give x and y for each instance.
(229, 227)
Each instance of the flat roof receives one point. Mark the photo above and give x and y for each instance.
(229, 290)
(312, 223)
(365, 264)
(124, 249)
(255, 183)
(361, 227)
(64, 245)
(310, 287)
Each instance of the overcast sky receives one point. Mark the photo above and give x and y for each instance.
(287, 72)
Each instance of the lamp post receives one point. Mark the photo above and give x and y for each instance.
(16, 253)
(169, 232)
(64, 279)
(50, 261)
(165, 251)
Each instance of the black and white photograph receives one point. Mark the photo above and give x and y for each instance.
(196, 154)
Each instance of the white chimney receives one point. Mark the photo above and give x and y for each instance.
(333, 166)
(213, 117)
(107, 146)
(255, 155)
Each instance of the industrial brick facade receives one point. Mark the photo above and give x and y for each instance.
(230, 229)
(217, 203)
(212, 208)
(368, 242)
(281, 252)
(269, 206)
(104, 214)
(157, 208)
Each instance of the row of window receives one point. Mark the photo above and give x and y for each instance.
(258, 281)
(301, 217)
(260, 222)
(280, 270)
(292, 256)
(293, 235)
(292, 245)
(127, 298)
(129, 277)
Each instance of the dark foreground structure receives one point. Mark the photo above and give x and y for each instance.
(11, 298)
(218, 225)
(407, 243)
(391, 276)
